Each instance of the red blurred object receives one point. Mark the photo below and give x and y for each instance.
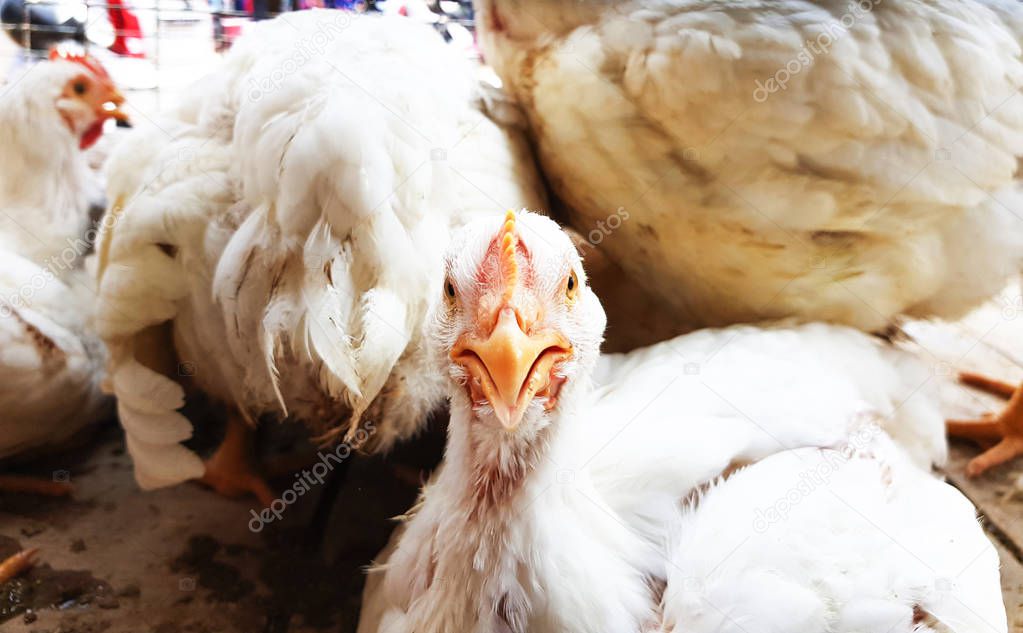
(232, 30)
(128, 31)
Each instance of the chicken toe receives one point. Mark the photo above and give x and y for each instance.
(231, 471)
(1001, 433)
(35, 486)
(15, 565)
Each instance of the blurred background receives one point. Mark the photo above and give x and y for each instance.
(156, 48)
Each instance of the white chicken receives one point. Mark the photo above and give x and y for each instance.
(288, 230)
(50, 356)
(557, 507)
(841, 541)
(825, 160)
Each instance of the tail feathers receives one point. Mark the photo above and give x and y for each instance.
(328, 294)
(147, 403)
(278, 170)
(385, 335)
(247, 285)
(351, 197)
(312, 163)
(280, 320)
(251, 253)
(312, 298)
(325, 263)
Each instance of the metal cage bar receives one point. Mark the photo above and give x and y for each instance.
(155, 16)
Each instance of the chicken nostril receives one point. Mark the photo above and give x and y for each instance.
(520, 320)
(523, 319)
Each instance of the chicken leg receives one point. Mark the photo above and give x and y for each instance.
(26, 484)
(15, 565)
(1001, 433)
(231, 470)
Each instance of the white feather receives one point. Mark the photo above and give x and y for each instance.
(292, 227)
(836, 161)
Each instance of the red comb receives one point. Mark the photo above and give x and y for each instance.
(58, 53)
(507, 243)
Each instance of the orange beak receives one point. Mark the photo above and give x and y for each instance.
(510, 368)
(112, 106)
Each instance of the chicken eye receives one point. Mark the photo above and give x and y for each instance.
(79, 87)
(572, 286)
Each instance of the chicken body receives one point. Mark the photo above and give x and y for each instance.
(848, 162)
(812, 540)
(51, 359)
(290, 226)
(568, 520)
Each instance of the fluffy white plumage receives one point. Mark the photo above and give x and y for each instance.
(815, 540)
(826, 160)
(290, 226)
(571, 521)
(51, 359)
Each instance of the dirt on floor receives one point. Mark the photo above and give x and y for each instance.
(114, 559)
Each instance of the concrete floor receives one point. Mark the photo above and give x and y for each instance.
(118, 560)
